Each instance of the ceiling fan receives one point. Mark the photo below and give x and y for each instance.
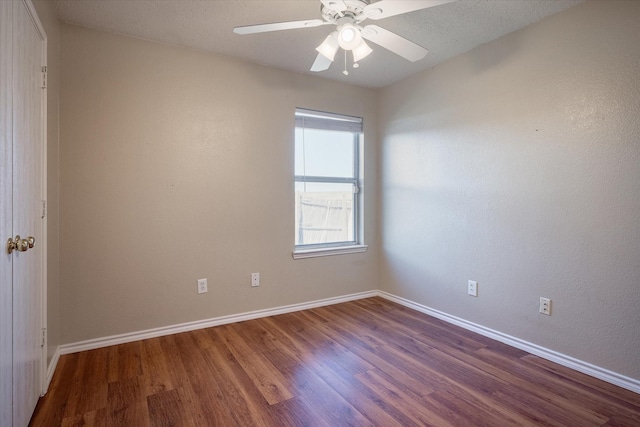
(350, 35)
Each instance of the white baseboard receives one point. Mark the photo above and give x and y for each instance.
(562, 359)
(51, 368)
(206, 323)
(559, 358)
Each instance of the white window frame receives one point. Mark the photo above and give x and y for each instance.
(311, 119)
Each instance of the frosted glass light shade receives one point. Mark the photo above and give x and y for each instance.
(349, 36)
(361, 51)
(329, 46)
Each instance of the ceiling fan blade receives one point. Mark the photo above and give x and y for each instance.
(393, 42)
(387, 8)
(278, 26)
(321, 63)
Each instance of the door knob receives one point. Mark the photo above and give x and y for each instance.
(20, 245)
(11, 246)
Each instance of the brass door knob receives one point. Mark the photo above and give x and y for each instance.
(11, 245)
(20, 245)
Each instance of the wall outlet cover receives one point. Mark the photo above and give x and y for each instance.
(472, 288)
(545, 306)
(202, 286)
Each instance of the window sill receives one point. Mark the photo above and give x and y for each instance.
(337, 250)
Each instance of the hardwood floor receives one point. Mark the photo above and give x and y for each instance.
(362, 363)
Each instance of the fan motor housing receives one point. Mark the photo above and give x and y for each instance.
(354, 10)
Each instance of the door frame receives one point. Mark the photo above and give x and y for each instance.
(44, 383)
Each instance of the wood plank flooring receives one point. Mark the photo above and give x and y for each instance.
(363, 363)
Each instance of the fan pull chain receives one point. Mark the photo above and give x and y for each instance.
(345, 72)
(355, 64)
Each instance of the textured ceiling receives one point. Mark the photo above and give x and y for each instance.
(446, 30)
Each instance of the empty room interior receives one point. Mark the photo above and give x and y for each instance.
(203, 263)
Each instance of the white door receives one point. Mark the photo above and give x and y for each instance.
(22, 188)
(6, 212)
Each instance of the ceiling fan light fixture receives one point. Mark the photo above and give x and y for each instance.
(347, 17)
(329, 46)
(349, 36)
(361, 51)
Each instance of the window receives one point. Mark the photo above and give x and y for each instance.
(327, 187)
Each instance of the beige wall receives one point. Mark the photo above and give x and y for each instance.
(518, 165)
(178, 165)
(47, 13)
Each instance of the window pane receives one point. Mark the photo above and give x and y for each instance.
(324, 153)
(324, 213)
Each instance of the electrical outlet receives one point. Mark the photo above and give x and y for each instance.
(545, 306)
(255, 280)
(202, 286)
(472, 288)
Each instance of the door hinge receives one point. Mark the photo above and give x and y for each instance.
(44, 337)
(44, 209)
(44, 77)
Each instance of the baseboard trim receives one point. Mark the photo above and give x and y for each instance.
(562, 359)
(201, 324)
(51, 368)
(559, 358)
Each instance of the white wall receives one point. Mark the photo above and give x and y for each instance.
(518, 165)
(178, 165)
